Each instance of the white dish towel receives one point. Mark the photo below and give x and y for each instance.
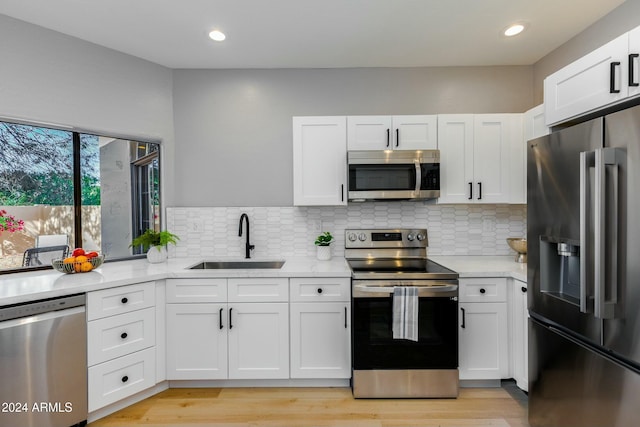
(405, 313)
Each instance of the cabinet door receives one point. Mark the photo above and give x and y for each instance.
(369, 133)
(258, 340)
(483, 336)
(196, 341)
(593, 81)
(319, 161)
(634, 62)
(492, 136)
(415, 132)
(520, 335)
(455, 141)
(320, 340)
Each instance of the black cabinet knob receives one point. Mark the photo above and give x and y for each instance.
(319, 290)
(482, 290)
(524, 290)
(125, 379)
(124, 335)
(124, 300)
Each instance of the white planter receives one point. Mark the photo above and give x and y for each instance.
(323, 253)
(157, 254)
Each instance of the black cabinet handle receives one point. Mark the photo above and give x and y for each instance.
(230, 324)
(124, 335)
(523, 289)
(345, 318)
(470, 190)
(482, 290)
(632, 57)
(220, 316)
(125, 379)
(612, 77)
(479, 191)
(319, 290)
(397, 137)
(342, 192)
(124, 300)
(463, 318)
(388, 137)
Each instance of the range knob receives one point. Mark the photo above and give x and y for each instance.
(352, 237)
(421, 236)
(362, 237)
(411, 237)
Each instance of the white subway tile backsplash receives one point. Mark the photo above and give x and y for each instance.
(290, 231)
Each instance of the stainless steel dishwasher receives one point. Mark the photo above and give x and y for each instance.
(43, 363)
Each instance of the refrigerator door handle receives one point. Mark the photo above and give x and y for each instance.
(586, 217)
(606, 238)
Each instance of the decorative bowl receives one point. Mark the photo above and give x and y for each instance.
(520, 246)
(78, 267)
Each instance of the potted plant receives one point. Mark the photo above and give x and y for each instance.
(323, 246)
(155, 244)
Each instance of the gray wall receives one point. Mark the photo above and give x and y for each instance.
(233, 127)
(49, 77)
(622, 19)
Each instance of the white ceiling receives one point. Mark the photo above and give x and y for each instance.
(318, 33)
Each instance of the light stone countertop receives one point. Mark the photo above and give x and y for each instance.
(484, 266)
(30, 286)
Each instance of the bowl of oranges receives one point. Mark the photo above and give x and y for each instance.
(80, 261)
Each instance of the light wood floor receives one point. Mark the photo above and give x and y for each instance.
(322, 407)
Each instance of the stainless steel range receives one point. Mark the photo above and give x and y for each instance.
(384, 366)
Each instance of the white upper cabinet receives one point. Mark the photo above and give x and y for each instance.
(603, 77)
(475, 154)
(534, 123)
(409, 132)
(319, 161)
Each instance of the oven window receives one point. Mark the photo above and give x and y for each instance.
(381, 178)
(375, 348)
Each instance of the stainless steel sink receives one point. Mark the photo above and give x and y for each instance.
(236, 265)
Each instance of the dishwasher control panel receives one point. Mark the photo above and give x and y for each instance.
(41, 306)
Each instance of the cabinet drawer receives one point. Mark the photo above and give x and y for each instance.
(123, 299)
(259, 290)
(121, 377)
(490, 289)
(319, 289)
(196, 290)
(116, 336)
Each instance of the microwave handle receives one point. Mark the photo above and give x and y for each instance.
(416, 163)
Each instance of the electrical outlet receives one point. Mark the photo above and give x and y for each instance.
(196, 225)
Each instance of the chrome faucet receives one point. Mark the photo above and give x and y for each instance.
(248, 246)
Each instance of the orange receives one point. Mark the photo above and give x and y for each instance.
(69, 260)
(86, 266)
(81, 259)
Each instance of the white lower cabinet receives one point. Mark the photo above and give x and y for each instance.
(483, 329)
(121, 343)
(320, 340)
(320, 327)
(258, 341)
(520, 334)
(197, 341)
(229, 340)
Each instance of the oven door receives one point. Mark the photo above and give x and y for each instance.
(373, 345)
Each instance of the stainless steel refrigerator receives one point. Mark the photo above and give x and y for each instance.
(583, 235)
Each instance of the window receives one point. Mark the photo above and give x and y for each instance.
(82, 190)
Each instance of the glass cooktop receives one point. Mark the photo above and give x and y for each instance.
(384, 268)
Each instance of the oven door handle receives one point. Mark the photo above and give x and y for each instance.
(436, 290)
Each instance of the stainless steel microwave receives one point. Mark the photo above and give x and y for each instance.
(393, 175)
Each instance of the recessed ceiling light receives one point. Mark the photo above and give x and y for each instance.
(513, 30)
(217, 35)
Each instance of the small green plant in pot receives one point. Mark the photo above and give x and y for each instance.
(158, 239)
(323, 248)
